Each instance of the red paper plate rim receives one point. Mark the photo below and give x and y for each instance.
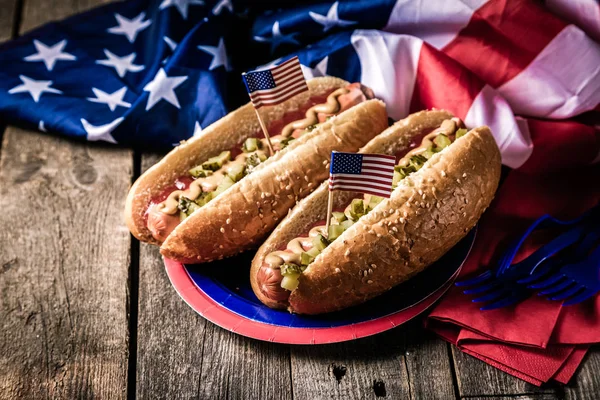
(226, 319)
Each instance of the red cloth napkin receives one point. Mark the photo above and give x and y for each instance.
(537, 340)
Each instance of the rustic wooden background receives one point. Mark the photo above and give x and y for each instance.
(88, 312)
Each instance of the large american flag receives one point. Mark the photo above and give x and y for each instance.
(365, 173)
(275, 85)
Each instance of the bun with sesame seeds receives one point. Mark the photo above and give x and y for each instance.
(220, 192)
(430, 210)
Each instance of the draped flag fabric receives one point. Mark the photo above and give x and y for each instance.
(152, 73)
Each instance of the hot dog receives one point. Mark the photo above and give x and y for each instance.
(227, 163)
(445, 178)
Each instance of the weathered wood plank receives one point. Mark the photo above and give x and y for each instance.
(180, 355)
(7, 18)
(362, 369)
(476, 378)
(64, 252)
(428, 364)
(586, 382)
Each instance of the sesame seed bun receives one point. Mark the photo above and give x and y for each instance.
(428, 213)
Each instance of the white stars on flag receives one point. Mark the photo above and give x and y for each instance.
(121, 64)
(50, 54)
(34, 88)
(101, 132)
(219, 55)
(163, 87)
(277, 38)
(182, 5)
(112, 100)
(331, 20)
(130, 27)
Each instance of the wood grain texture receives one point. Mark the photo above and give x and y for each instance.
(366, 368)
(181, 355)
(7, 18)
(476, 378)
(585, 385)
(428, 364)
(64, 253)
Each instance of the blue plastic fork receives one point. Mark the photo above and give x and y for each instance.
(503, 290)
(574, 282)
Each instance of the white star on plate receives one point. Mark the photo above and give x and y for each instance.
(219, 55)
(277, 38)
(41, 126)
(120, 64)
(218, 8)
(101, 132)
(331, 20)
(112, 100)
(319, 70)
(34, 88)
(162, 87)
(182, 5)
(50, 54)
(197, 129)
(130, 27)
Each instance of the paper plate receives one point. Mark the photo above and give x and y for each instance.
(221, 293)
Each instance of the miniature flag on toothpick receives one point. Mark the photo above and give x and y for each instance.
(273, 86)
(356, 172)
(365, 173)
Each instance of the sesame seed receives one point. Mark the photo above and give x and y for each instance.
(395, 229)
(260, 215)
(424, 196)
(433, 189)
(347, 253)
(369, 281)
(457, 180)
(276, 218)
(228, 221)
(337, 271)
(427, 205)
(267, 194)
(365, 273)
(374, 266)
(262, 195)
(408, 204)
(235, 230)
(391, 211)
(274, 203)
(370, 271)
(466, 201)
(444, 174)
(464, 214)
(401, 220)
(379, 235)
(306, 178)
(274, 212)
(246, 212)
(420, 191)
(405, 214)
(277, 196)
(465, 175)
(220, 246)
(222, 230)
(288, 187)
(290, 196)
(243, 232)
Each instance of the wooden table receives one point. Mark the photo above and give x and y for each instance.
(86, 311)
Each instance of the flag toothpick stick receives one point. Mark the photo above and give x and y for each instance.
(329, 210)
(265, 132)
